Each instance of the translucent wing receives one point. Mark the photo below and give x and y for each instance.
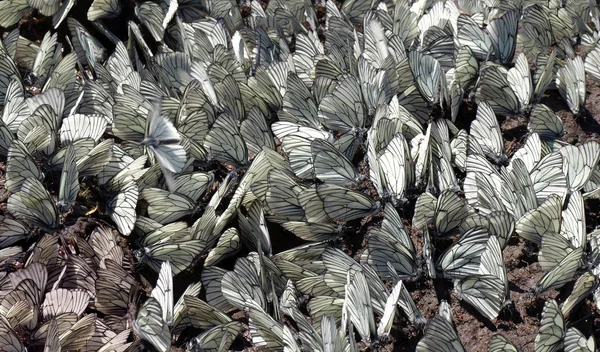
(459, 146)
(256, 132)
(584, 285)
(171, 157)
(166, 207)
(79, 126)
(384, 248)
(440, 335)
(8, 69)
(298, 104)
(225, 143)
(172, 69)
(545, 123)
(562, 273)
(201, 315)
(545, 219)
(89, 50)
(579, 163)
(494, 88)
(46, 119)
(121, 208)
(11, 231)
(592, 63)
(164, 140)
(151, 15)
(163, 292)
(575, 341)
(499, 343)
(330, 166)
(487, 292)
(62, 300)
(46, 57)
(573, 221)
(544, 74)
(52, 338)
(484, 292)
(500, 224)
(530, 153)
(424, 210)
(342, 110)
(211, 279)
(180, 254)
(228, 245)
(449, 212)
(8, 337)
(314, 232)
(481, 185)
(405, 24)
(463, 258)
(193, 185)
(570, 81)
(548, 177)
(536, 35)
(148, 324)
(69, 181)
(394, 165)
(519, 78)
(113, 287)
(503, 33)
(117, 342)
(406, 303)
(20, 167)
(471, 36)
(242, 287)
(300, 154)
(78, 334)
(357, 305)
(427, 73)
(282, 129)
(12, 11)
(342, 204)
(438, 42)
(103, 9)
(130, 110)
(216, 339)
(552, 329)
(194, 116)
(96, 159)
(265, 330)
(34, 205)
(15, 109)
(170, 233)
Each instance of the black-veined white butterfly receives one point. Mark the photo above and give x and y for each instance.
(440, 334)
(552, 330)
(34, 205)
(570, 81)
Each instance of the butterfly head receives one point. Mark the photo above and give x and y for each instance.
(194, 345)
(141, 254)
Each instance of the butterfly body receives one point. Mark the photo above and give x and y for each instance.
(155, 142)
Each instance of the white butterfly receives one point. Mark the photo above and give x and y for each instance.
(164, 141)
